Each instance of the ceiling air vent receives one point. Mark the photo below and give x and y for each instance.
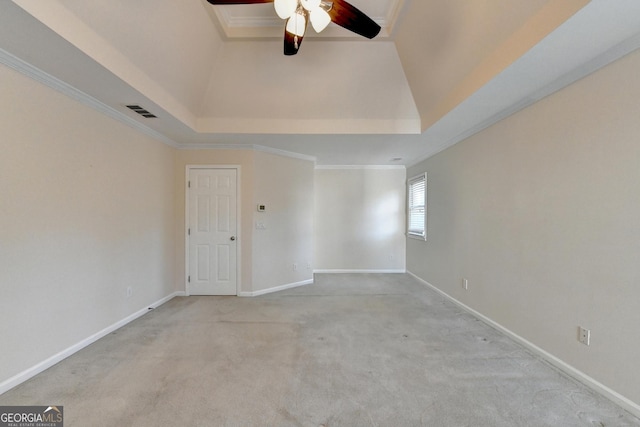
(143, 112)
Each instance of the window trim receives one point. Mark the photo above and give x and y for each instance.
(410, 182)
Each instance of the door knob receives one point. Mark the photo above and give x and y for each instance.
(233, 238)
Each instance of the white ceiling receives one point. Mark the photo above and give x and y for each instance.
(216, 76)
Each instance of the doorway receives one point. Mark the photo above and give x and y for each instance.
(212, 230)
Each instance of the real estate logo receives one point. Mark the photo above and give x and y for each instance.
(31, 416)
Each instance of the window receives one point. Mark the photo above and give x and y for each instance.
(417, 207)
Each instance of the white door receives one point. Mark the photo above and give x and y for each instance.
(212, 232)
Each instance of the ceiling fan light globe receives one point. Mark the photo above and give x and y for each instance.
(296, 25)
(319, 19)
(310, 5)
(285, 8)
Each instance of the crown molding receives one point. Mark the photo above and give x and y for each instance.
(46, 79)
(395, 12)
(259, 26)
(613, 54)
(284, 153)
(360, 167)
(251, 147)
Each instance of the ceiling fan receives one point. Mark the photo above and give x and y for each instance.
(298, 14)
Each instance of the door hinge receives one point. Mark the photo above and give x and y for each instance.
(189, 184)
(189, 279)
(189, 232)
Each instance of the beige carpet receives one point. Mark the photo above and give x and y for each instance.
(349, 350)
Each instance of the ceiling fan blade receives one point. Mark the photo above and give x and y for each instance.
(291, 42)
(239, 1)
(351, 18)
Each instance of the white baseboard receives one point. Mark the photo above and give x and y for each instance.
(360, 271)
(275, 289)
(46, 364)
(576, 374)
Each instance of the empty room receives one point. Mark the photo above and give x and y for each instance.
(320, 213)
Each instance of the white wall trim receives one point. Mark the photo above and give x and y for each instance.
(284, 153)
(56, 358)
(356, 271)
(250, 147)
(559, 364)
(275, 289)
(242, 26)
(38, 75)
(616, 52)
(357, 167)
(213, 146)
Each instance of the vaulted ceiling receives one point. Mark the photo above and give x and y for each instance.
(215, 76)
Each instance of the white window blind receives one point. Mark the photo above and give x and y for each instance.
(417, 209)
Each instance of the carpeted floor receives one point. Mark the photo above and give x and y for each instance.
(350, 350)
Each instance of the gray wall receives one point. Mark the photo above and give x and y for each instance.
(359, 219)
(285, 186)
(541, 213)
(86, 211)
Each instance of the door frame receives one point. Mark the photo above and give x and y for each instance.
(188, 170)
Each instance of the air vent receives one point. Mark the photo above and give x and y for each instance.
(142, 111)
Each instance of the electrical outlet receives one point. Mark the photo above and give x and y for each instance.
(129, 292)
(295, 267)
(584, 335)
(308, 266)
(465, 284)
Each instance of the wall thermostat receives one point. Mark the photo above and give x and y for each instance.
(262, 208)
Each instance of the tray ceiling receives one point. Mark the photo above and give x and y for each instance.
(260, 20)
(215, 77)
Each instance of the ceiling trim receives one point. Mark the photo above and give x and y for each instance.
(332, 126)
(272, 26)
(40, 76)
(618, 51)
(552, 15)
(393, 17)
(251, 147)
(357, 167)
(284, 153)
(66, 24)
(229, 21)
